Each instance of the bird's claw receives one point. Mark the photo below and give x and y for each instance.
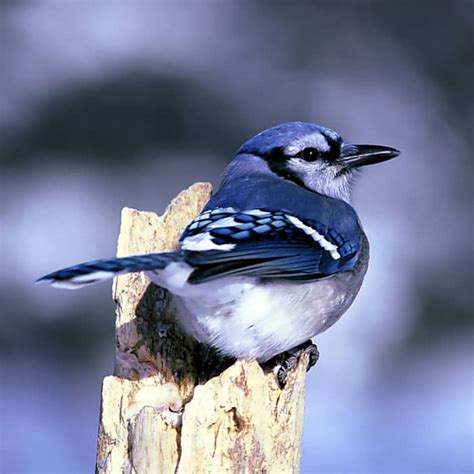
(285, 362)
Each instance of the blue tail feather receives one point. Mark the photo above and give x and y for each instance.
(98, 270)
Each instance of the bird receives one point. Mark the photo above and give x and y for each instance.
(277, 255)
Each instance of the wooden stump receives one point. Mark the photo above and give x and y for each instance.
(157, 413)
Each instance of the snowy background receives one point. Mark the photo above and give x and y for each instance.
(121, 103)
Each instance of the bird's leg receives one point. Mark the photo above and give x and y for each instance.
(285, 362)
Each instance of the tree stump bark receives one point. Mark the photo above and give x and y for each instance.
(159, 414)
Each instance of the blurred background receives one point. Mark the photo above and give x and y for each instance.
(121, 103)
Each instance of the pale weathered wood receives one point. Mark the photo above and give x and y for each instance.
(155, 417)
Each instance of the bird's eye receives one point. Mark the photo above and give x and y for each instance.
(309, 154)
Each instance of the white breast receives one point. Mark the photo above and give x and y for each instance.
(244, 318)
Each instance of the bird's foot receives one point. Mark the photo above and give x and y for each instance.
(284, 363)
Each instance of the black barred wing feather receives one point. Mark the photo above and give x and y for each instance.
(264, 244)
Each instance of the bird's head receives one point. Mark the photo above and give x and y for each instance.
(314, 157)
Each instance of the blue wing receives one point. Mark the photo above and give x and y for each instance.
(266, 244)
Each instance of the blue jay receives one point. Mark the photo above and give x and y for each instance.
(278, 253)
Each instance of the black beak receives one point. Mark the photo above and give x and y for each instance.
(355, 156)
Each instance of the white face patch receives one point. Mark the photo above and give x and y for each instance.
(314, 140)
(322, 178)
(318, 175)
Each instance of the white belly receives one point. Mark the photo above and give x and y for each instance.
(244, 319)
